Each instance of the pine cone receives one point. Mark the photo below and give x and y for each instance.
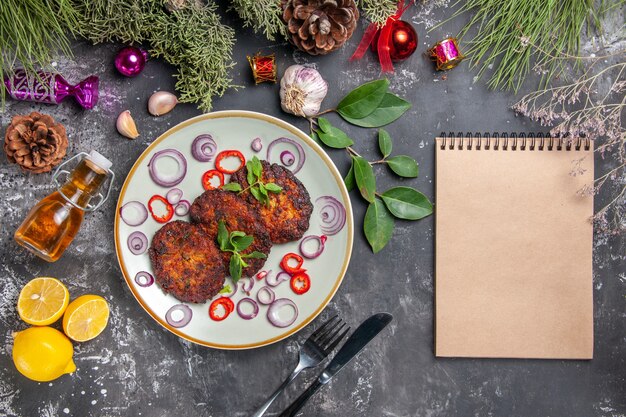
(320, 26)
(35, 142)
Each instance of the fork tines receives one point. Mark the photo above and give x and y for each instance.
(328, 336)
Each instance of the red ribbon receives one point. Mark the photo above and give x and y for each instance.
(383, 39)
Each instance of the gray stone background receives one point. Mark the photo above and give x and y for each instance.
(137, 368)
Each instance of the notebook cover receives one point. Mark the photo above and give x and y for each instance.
(513, 252)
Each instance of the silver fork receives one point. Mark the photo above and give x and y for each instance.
(312, 353)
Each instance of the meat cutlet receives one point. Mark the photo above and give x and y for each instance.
(287, 215)
(215, 205)
(187, 263)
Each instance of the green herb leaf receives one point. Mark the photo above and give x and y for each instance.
(384, 142)
(262, 189)
(254, 255)
(256, 193)
(222, 236)
(407, 203)
(241, 243)
(315, 137)
(272, 187)
(378, 225)
(363, 100)
(349, 180)
(390, 109)
(232, 186)
(225, 290)
(257, 167)
(235, 267)
(403, 165)
(324, 124)
(335, 138)
(252, 179)
(364, 176)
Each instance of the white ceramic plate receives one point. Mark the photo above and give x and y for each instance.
(237, 130)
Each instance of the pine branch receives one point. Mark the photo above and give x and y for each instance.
(377, 11)
(262, 15)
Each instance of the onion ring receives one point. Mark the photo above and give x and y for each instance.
(140, 213)
(321, 240)
(287, 158)
(247, 316)
(203, 148)
(144, 279)
(187, 314)
(247, 285)
(171, 180)
(137, 242)
(182, 208)
(301, 155)
(273, 279)
(174, 195)
(272, 312)
(256, 145)
(332, 214)
(270, 295)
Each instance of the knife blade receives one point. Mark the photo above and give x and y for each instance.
(357, 341)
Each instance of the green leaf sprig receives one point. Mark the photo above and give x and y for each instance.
(236, 242)
(371, 105)
(259, 189)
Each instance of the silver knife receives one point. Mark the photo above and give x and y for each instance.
(359, 339)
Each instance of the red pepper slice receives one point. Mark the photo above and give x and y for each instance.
(168, 207)
(300, 282)
(228, 154)
(208, 176)
(291, 270)
(226, 303)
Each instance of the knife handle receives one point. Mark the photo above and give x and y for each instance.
(295, 406)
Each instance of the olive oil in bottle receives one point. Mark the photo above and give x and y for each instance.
(52, 224)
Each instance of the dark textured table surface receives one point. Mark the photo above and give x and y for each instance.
(137, 368)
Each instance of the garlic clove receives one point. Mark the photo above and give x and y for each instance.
(161, 102)
(126, 125)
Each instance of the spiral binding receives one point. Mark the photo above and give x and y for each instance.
(512, 141)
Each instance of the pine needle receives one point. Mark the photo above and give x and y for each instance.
(378, 11)
(261, 15)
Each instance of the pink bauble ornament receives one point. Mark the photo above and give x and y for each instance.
(130, 61)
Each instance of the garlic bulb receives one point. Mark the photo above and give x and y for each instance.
(302, 90)
(126, 125)
(161, 102)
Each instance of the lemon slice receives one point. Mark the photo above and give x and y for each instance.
(85, 317)
(42, 301)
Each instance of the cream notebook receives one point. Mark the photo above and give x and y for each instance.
(513, 247)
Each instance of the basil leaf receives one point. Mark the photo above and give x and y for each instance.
(378, 225)
(349, 179)
(222, 236)
(335, 138)
(232, 186)
(363, 100)
(272, 187)
(324, 124)
(254, 255)
(256, 193)
(234, 267)
(242, 242)
(257, 167)
(236, 233)
(365, 179)
(384, 142)
(407, 203)
(389, 109)
(250, 175)
(262, 189)
(403, 165)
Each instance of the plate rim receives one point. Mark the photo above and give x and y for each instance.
(296, 132)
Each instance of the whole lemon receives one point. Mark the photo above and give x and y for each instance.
(43, 353)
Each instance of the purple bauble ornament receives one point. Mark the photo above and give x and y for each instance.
(130, 61)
